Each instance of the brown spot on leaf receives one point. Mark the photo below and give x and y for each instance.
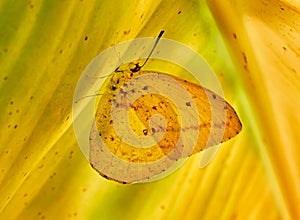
(30, 5)
(53, 175)
(126, 32)
(71, 154)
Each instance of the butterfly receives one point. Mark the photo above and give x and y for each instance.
(147, 123)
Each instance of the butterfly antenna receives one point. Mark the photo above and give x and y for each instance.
(155, 44)
(87, 96)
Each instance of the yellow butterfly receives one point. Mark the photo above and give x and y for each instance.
(146, 122)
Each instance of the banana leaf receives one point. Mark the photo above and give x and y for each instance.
(253, 47)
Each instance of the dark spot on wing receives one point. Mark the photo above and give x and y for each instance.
(126, 32)
(245, 58)
(234, 35)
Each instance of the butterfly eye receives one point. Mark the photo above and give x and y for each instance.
(113, 88)
(134, 67)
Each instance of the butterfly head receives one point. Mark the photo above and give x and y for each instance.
(134, 66)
